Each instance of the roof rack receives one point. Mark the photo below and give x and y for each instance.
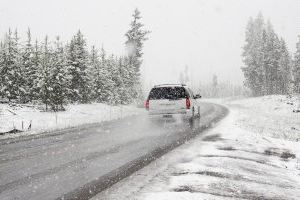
(169, 84)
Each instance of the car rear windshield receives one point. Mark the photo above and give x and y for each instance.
(167, 93)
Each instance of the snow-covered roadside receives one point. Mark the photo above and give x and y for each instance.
(252, 154)
(269, 115)
(74, 115)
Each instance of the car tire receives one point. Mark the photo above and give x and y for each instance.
(198, 115)
(192, 118)
(193, 113)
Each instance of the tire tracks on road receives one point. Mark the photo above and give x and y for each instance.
(212, 116)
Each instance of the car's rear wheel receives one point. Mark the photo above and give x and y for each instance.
(191, 120)
(198, 114)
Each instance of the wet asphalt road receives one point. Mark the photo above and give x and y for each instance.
(82, 162)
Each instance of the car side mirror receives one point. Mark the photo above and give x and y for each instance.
(198, 96)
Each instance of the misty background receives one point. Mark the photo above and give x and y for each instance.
(206, 36)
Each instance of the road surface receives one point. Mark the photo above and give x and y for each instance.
(82, 162)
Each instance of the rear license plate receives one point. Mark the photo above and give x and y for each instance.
(167, 116)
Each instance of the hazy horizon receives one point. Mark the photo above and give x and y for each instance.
(206, 36)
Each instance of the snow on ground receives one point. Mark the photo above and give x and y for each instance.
(269, 115)
(253, 153)
(75, 115)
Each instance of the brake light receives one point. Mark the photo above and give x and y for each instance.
(188, 103)
(147, 104)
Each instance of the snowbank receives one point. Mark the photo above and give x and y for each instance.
(20, 117)
(252, 154)
(269, 116)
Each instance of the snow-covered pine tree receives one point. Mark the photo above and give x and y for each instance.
(30, 69)
(95, 73)
(105, 83)
(265, 58)
(118, 78)
(134, 78)
(296, 67)
(113, 79)
(284, 69)
(127, 82)
(36, 61)
(122, 75)
(44, 84)
(77, 62)
(136, 36)
(270, 60)
(100, 83)
(58, 77)
(260, 39)
(12, 76)
(19, 76)
(253, 55)
(2, 70)
(265, 69)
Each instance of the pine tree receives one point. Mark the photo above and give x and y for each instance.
(19, 75)
(30, 69)
(253, 55)
(296, 68)
(98, 75)
(105, 80)
(94, 64)
(44, 83)
(271, 56)
(12, 76)
(77, 61)
(112, 79)
(284, 70)
(2, 70)
(266, 59)
(58, 77)
(136, 36)
(5, 69)
(34, 91)
(126, 72)
(119, 78)
(34, 72)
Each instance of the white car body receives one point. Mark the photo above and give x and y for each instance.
(172, 100)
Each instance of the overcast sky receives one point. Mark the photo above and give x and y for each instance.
(205, 35)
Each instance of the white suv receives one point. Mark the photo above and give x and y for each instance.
(170, 100)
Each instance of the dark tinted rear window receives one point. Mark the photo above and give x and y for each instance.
(167, 93)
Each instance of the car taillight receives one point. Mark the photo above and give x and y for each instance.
(188, 103)
(147, 104)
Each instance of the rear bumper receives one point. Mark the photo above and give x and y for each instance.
(187, 114)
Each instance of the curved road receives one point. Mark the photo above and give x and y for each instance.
(79, 163)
